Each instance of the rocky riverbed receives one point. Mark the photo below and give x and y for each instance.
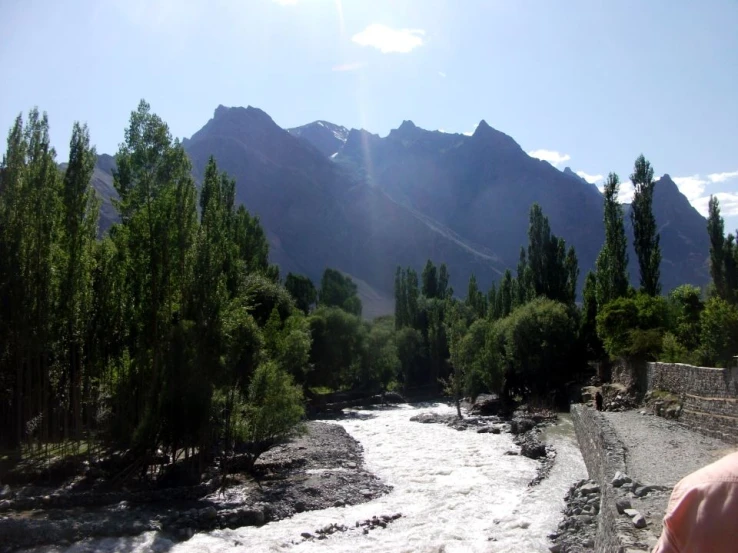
(321, 468)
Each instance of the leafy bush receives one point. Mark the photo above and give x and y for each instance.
(534, 344)
(719, 333)
(632, 326)
(272, 411)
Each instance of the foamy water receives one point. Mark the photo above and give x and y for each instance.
(457, 492)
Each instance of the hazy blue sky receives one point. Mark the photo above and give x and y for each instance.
(589, 84)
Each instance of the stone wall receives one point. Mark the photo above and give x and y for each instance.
(604, 455)
(709, 397)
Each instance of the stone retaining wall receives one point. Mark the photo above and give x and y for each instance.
(709, 396)
(604, 455)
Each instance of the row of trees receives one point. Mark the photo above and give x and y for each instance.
(689, 325)
(172, 332)
(175, 332)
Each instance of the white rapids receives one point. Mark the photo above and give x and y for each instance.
(456, 491)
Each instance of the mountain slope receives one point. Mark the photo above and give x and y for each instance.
(317, 214)
(327, 137)
(480, 186)
(413, 195)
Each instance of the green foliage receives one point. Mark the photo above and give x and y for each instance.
(646, 236)
(337, 290)
(588, 337)
(168, 332)
(475, 299)
(302, 290)
(411, 353)
(612, 261)
(553, 270)
(633, 326)
(719, 332)
(274, 405)
(716, 233)
(338, 345)
(383, 364)
(685, 306)
(265, 295)
(673, 351)
(723, 255)
(535, 345)
(430, 280)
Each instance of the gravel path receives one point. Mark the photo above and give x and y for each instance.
(660, 451)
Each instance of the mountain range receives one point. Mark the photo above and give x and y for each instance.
(328, 196)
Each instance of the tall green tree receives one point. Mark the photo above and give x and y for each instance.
(430, 280)
(475, 299)
(158, 220)
(588, 322)
(302, 290)
(553, 270)
(80, 209)
(646, 236)
(716, 232)
(612, 261)
(339, 290)
(443, 279)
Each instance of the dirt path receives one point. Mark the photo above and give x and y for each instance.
(660, 451)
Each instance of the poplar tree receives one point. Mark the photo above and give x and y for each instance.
(646, 237)
(80, 209)
(612, 261)
(430, 280)
(716, 232)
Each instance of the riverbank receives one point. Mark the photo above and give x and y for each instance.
(323, 467)
(625, 454)
(449, 489)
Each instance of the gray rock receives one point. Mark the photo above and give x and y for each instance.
(307, 535)
(622, 504)
(486, 404)
(631, 512)
(639, 521)
(587, 489)
(208, 513)
(619, 479)
(521, 425)
(4, 491)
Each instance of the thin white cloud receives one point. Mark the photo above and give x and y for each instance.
(553, 157)
(442, 74)
(625, 192)
(388, 40)
(692, 187)
(593, 179)
(722, 177)
(728, 204)
(353, 66)
(471, 132)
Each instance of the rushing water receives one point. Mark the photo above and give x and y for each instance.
(457, 492)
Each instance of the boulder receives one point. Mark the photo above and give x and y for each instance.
(589, 488)
(639, 521)
(622, 504)
(619, 479)
(486, 404)
(521, 425)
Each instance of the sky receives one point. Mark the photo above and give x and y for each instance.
(588, 84)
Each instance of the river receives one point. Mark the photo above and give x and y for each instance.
(457, 492)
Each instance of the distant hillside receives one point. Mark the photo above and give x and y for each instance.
(364, 204)
(326, 137)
